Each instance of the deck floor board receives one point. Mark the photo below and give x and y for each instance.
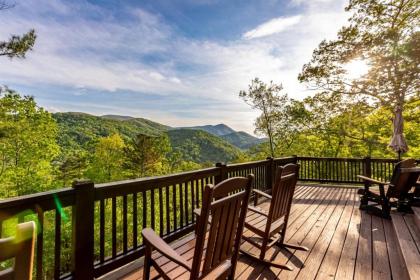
(343, 242)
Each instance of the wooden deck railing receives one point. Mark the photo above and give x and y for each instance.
(91, 229)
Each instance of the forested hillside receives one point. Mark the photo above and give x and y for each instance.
(238, 139)
(200, 146)
(82, 131)
(78, 130)
(242, 139)
(218, 129)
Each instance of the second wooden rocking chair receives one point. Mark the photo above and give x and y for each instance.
(273, 231)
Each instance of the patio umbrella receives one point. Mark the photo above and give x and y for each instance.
(398, 143)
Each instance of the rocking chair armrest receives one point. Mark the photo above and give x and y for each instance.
(266, 195)
(156, 242)
(256, 210)
(370, 180)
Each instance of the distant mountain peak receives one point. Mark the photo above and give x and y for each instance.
(218, 129)
(117, 117)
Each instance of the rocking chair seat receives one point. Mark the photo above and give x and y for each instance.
(184, 247)
(257, 224)
(373, 190)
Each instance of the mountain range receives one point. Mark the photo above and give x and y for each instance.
(211, 143)
(240, 139)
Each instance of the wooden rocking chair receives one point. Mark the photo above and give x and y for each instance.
(273, 231)
(218, 235)
(394, 193)
(21, 249)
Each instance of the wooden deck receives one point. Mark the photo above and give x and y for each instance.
(343, 242)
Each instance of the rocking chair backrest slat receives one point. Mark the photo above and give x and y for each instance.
(21, 248)
(401, 182)
(282, 193)
(226, 224)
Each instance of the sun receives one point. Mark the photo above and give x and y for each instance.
(356, 68)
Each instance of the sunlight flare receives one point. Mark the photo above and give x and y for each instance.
(356, 68)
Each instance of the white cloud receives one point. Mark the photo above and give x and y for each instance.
(79, 52)
(272, 26)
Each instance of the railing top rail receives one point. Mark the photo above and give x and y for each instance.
(329, 158)
(35, 198)
(247, 164)
(44, 200)
(285, 158)
(143, 184)
(347, 159)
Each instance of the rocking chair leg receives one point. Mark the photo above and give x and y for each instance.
(294, 246)
(386, 208)
(147, 263)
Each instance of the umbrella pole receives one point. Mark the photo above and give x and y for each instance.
(399, 155)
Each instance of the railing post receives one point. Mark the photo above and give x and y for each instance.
(83, 230)
(367, 169)
(222, 173)
(295, 159)
(270, 172)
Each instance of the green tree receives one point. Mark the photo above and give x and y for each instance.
(16, 46)
(383, 33)
(72, 165)
(108, 159)
(28, 145)
(147, 155)
(268, 99)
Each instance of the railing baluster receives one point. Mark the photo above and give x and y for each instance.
(152, 209)
(168, 217)
(181, 205)
(135, 232)
(186, 202)
(161, 222)
(192, 200)
(101, 231)
(40, 244)
(174, 205)
(144, 209)
(125, 231)
(57, 244)
(114, 226)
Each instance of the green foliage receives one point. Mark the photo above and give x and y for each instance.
(242, 139)
(81, 131)
(18, 46)
(27, 147)
(72, 165)
(108, 160)
(326, 126)
(201, 147)
(218, 129)
(268, 99)
(146, 155)
(385, 34)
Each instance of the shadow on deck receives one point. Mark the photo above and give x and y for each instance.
(343, 242)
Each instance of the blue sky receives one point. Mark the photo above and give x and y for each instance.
(178, 62)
